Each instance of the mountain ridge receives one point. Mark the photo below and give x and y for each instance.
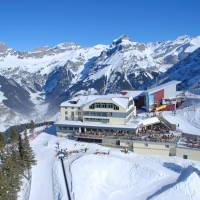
(50, 75)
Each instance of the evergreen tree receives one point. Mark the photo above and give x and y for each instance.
(10, 172)
(13, 173)
(2, 141)
(32, 126)
(26, 153)
(16, 160)
(14, 136)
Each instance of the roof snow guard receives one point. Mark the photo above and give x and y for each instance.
(162, 86)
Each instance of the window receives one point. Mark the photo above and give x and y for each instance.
(116, 107)
(167, 146)
(104, 105)
(97, 120)
(110, 105)
(92, 106)
(66, 118)
(185, 156)
(73, 102)
(72, 115)
(101, 114)
(79, 113)
(66, 112)
(71, 128)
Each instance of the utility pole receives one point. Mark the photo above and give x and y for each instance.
(61, 155)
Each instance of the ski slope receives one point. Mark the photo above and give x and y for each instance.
(113, 176)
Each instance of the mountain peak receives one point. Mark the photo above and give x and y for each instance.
(42, 48)
(184, 39)
(66, 45)
(3, 47)
(123, 38)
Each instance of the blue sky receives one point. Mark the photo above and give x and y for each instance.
(25, 24)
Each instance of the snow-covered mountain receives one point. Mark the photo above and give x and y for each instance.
(34, 83)
(133, 65)
(187, 71)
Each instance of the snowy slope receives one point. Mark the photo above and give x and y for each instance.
(113, 177)
(187, 117)
(187, 71)
(110, 177)
(188, 189)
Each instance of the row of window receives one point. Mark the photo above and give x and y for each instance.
(72, 118)
(62, 128)
(104, 105)
(96, 120)
(72, 113)
(101, 114)
(73, 107)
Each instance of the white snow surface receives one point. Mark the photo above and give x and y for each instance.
(186, 119)
(149, 121)
(186, 190)
(110, 177)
